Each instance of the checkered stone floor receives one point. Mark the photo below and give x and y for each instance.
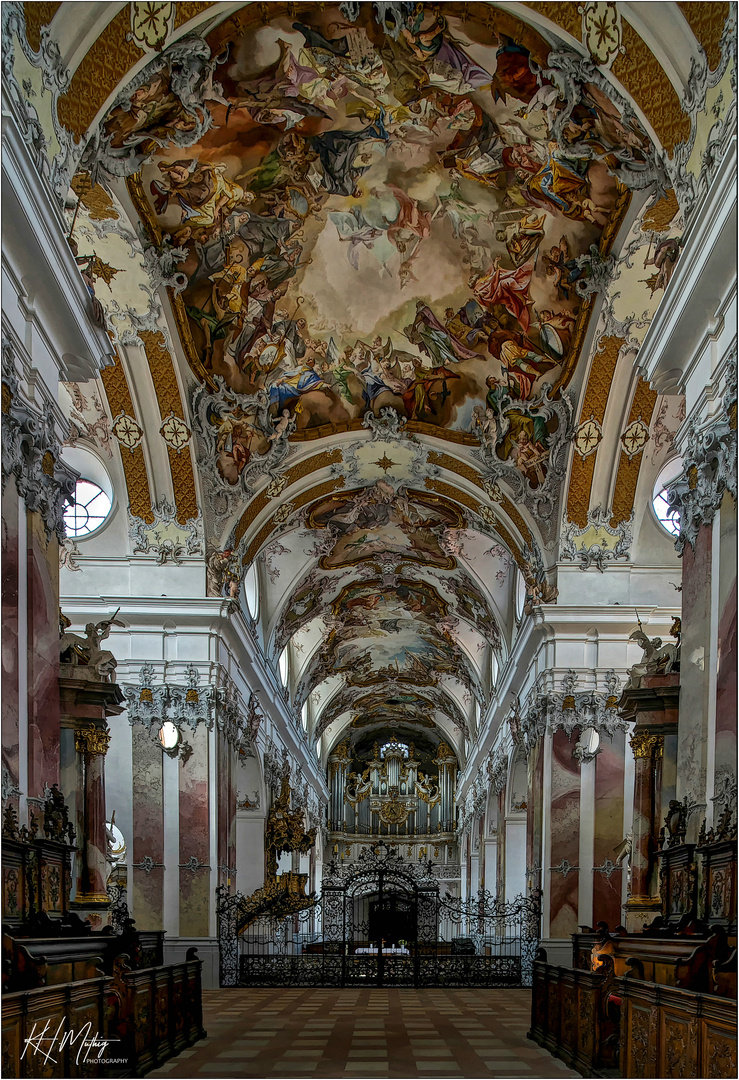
(365, 1033)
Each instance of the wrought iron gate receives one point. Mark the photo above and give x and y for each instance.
(381, 922)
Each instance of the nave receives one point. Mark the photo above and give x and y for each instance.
(367, 1033)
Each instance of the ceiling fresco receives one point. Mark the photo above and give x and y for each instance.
(365, 254)
(376, 215)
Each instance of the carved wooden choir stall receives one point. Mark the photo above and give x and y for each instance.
(74, 965)
(657, 996)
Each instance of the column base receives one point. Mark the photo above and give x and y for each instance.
(639, 910)
(92, 906)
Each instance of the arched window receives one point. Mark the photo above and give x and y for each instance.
(251, 590)
(89, 510)
(93, 494)
(667, 516)
(284, 665)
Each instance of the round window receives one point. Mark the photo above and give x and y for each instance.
(89, 510)
(169, 736)
(668, 516)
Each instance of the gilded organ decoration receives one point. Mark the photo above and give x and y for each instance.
(393, 792)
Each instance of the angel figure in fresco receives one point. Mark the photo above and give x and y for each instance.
(202, 191)
(433, 339)
(507, 287)
(522, 238)
(477, 151)
(563, 268)
(426, 381)
(560, 184)
(664, 259)
(448, 66)
(355, 231)
(521, 364)
(410, 222)
(514, 75)
(530, 456)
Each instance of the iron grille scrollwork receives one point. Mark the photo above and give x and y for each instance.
(343, 938)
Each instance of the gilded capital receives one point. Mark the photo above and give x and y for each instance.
(91, 740)
(647, 744)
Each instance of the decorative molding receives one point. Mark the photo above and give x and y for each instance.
(9, 789)
(90, 739)
(165, 536)
(564, 868)
(588, 437)
(147, 864)
(127, 431)
(496, 770)
(151, 25)
(570, 708)
(634, 438)
(31, 451)
(55, 79)
(598, 544)
(601, 32)
(607, 868)
(490, 429)
(724, 787)
(276, 766)
(647, 744)
(191, 705)
(691, 189)
(709, 467)
(193, 864)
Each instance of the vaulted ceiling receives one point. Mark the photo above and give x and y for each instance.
(375, 265)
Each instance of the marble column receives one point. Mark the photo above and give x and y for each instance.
(608, 831)
(43, 656)
(147, 887)
(653, 706)
(195, 838)
(91, 745)
(696, 720)
(534, 816)
(9, 642)
(86, 702)
(565, 818)
(644, 901)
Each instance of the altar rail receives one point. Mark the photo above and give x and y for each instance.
(148, 1016)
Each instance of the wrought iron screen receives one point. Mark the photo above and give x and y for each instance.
(381, 922)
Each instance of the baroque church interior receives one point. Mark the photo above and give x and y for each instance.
(369, 618)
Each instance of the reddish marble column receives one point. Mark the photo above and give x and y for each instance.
(43, 657)
(534, 816)
(9, 637)
(695, 725)
(481, 856)
(195, 838)
(653, 706)
(91, 744)
(565, 838)
(609, 818)
(147, 889)
(500, 868)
